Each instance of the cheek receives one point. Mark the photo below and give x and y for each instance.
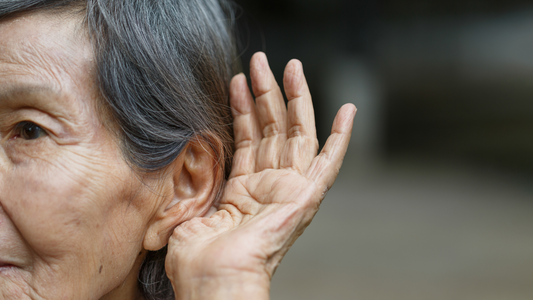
(51, 204)
(67, 203)
(79, 212)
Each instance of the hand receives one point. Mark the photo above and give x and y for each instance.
(275, 188)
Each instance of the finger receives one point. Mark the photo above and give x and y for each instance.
(325, 167)
(302, 144)
(245, 127)
(271, 111)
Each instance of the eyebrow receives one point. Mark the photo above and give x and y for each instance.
(15, 90)
(23, 95)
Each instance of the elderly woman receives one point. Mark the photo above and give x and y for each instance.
(118, 174)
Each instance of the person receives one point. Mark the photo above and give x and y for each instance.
(118, 174)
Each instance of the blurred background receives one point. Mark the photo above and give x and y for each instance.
(435, 198)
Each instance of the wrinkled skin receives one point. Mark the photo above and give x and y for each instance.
(76, 220)
(274, 190)
(70, 227)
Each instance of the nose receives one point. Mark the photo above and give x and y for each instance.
(3, 155)
(3, 171)
(3, 160)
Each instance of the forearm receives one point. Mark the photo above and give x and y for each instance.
(245, 286)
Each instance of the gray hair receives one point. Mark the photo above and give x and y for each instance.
(164, 69)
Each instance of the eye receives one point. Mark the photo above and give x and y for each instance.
(29, 131)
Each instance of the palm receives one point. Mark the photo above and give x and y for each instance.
(277, 180)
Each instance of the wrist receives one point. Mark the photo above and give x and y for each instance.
(245, 285)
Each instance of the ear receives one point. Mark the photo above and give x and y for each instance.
(194, 179)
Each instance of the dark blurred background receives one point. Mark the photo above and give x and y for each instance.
(444, 79)
(435, 200)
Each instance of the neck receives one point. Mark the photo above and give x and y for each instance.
(129, 289)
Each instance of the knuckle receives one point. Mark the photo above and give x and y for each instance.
(244, 143)
(272, 129)
(264, 91)
(296, 130)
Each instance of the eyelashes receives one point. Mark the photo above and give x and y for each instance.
(29, 131)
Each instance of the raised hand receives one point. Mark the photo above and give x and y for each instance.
(275, 188)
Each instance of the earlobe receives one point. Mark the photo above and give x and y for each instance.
(193, 180)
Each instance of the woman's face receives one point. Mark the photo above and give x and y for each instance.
(72, 213)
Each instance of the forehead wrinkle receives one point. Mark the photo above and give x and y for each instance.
(47, 45)
(30, 60)
(61, 59)
(24, 75)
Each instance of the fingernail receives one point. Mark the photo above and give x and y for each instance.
(264, 65)
(266, 57)
(298, 75)
(354, 111)
(301, 76)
